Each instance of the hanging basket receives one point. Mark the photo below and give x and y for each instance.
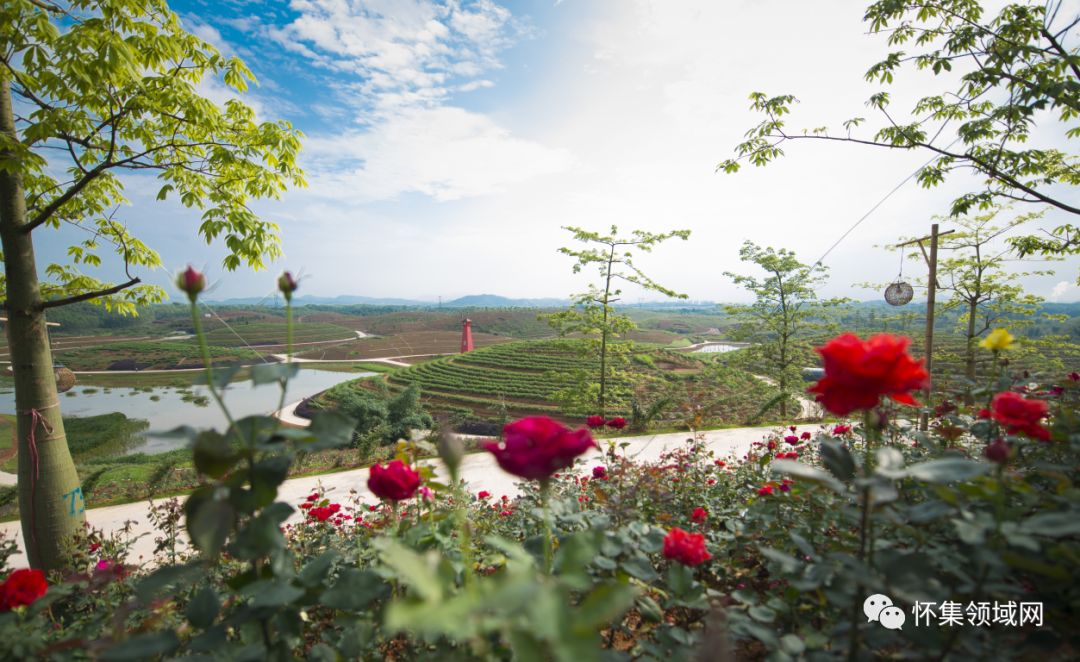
(899, 293)
(65, 379)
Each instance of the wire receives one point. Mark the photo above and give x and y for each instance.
(875, 207)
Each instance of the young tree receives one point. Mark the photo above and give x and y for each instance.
(784, 310)
(978, 285)
(591, 313)
(1018, 72)
(91, 89)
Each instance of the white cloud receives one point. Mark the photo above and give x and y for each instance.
(1063, 290)
(406, 52)
(444, 152)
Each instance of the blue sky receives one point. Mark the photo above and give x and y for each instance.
(447, 142)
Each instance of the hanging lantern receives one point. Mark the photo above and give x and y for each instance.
(65, 379)
(899, 293)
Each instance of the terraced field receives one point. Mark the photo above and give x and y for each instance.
(520, 378)
(409, 343)
(258, 334)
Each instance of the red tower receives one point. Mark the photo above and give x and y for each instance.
(466, 336)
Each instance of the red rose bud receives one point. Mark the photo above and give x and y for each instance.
(841, 430)
(192, 282)
(997, 452)
(595, 422)
(599, 472)
(686, 548)
(1020, 415)
(483, 494)
(699, 515)
(21, 588)
(396, 482)
(286, 284)
(859, 372)
(617, 423)
(536, 447)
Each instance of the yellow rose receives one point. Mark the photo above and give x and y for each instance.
(998, 340)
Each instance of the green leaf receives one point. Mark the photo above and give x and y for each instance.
(837, 459)
(1055, 525)
(203, 608)
(947, 470)
(143, 647)
(213, 454)
(792, 644)
(763, 614)
(267, 475)
(272, 593)
(318, 568)
(639, 567)
(680, 578)
(170, 577)
(354, 590)
(266, 373)
(807, 472)
(209, 520)
(606, 602)
(1031, 564)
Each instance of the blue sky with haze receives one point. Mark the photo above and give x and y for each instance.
(447, 142)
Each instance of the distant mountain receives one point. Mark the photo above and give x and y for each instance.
(341, 300)
(496, 301)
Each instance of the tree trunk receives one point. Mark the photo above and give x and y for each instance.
(50, 498)
(969, 356)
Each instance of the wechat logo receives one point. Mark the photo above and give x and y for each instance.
(880, 608)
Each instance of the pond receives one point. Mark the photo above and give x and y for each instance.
(717, 348)
(166, 407)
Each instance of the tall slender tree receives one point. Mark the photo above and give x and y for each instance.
(89, 90)
(592, 313)
(785, 308)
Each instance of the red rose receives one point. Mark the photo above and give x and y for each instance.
(791, 439)
(599, 472)
(192, 282)
(22, 587)
(686, 548)
(536, 447)
(793, 428)
(287, 285)
(322, 514)
(699, 515)
(483, 494)
(1020, 415)
(397, 481)
(841, 430)
(313, 497)
(617, 423)
(765, 491)
(771, 445)
(805, 436)
(720, 463)
(595, 422)
(307, 505)
(1074, 376)
(858, 372)
(997, 452)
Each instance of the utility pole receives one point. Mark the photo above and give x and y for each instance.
(931, 295)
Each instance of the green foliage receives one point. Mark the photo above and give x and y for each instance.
(592, 315)
(1015, 71)
(107, 86)
(381, 417)
(785, 310)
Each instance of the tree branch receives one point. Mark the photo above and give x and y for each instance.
(86, 296)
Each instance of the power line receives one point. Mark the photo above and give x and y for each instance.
(875, 207)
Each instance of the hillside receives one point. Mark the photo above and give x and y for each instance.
(513, 379)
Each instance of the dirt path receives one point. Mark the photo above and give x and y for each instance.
(478, 469)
